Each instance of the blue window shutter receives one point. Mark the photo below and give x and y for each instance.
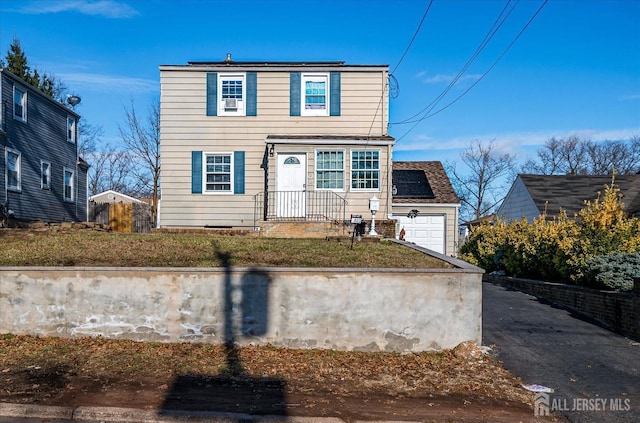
(196, 172)
(294, 94)
(212, 94)
(334, 94)
(238, 172)
(252, 94)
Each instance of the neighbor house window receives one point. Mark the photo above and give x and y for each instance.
(45, 175)
(231, 90)
(315, 95)
(71, 129)
(330, 170)
(68, 185)
(13, 173)
(365, 169)
(19, 103)
(218, 172)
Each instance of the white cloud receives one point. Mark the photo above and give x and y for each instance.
(513, 141)
(631, 97)
(447, 78)
(106, 8)
(109, 83)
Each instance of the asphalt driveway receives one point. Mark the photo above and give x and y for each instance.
(595, 373)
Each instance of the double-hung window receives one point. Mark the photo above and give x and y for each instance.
(13, 172)
(68, 185)
(330, 169)
(19, 103)
(315, 95)
(45, 175)
(231, 91)
(218, 172)
(71, 129)
(365, 169)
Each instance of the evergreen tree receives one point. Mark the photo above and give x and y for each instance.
(17, 64)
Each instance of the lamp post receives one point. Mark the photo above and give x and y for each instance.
(374, 206)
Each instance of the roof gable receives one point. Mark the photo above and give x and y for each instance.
(569, 192)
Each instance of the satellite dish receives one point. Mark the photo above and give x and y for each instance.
(73, 100)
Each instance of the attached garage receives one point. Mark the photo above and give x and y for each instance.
(425, 231)
(425, 206)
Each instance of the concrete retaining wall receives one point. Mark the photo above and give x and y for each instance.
(617, 311)
(369, 309)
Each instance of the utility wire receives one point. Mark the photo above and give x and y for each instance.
(414, 36)
(497, 24)
(428, 114)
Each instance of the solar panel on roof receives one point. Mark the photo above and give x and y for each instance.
(412, 183)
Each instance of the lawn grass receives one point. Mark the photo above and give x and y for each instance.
(92, 248)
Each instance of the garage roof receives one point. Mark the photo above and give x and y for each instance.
(422, 182)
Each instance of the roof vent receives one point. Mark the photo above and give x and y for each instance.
(228, 59)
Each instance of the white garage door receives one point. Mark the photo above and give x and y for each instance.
(425, 231)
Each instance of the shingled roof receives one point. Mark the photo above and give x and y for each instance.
(422, 183)
(570, 192)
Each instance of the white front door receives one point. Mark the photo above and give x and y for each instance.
(291, 185)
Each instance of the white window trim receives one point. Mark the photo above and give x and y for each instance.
(241, 110)
(72, 139)
(314, 77)
(19, 89)
(379, 189)
(42, 185)
(204, 173)
(64, 186)
(17, 188)
(344, 169)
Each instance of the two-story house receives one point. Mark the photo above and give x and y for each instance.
(244, 144)
(41, 176)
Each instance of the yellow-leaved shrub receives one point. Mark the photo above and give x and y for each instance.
(555, 249)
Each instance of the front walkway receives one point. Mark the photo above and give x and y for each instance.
(595, 373)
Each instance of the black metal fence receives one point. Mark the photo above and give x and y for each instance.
(315, 206)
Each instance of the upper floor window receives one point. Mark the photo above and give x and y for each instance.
(315, 89)
(330, 169)
(231, 94)
(19, 103)
(13, 172)
(45, 175)
(68, 185)
(71, 129)
(365, 169)
(218, 172)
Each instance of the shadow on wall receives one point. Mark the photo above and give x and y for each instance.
(232, 389)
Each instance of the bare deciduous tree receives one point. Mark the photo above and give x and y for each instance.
(483, 182)
(576, 156)
(142, 138)
(112, 169)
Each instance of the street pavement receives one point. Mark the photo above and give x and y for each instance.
(595, 373)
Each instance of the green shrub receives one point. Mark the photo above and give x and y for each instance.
(613, 271)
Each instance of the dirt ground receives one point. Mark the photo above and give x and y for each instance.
(455, 385)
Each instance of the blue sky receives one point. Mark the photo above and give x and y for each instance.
(575, 70)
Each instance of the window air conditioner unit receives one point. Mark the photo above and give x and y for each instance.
(230, 103)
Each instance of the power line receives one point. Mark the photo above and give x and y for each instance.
(414, 36)
(428, 114)
(497, 24)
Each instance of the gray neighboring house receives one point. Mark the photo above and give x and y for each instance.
(41, 175)
(531, 195)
